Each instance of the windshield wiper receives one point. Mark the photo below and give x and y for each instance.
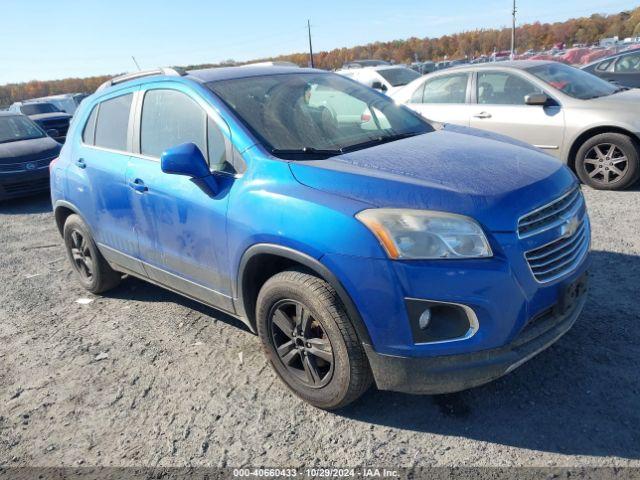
(306, 151)
(379, 141)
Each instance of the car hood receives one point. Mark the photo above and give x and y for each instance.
(491, 178)
(628, 100)
(49, 116)
(28, 150)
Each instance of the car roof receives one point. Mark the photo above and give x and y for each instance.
(517, 64)
(613, 56)
(5, 113)
(229, 73)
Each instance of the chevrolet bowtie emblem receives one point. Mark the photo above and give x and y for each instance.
(570, 226)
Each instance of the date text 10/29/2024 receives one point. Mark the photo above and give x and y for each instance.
(316, 472)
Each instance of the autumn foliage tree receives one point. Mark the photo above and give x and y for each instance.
(536, 35)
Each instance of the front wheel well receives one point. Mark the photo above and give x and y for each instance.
(263, 261)
(258, 269)
(584, 136)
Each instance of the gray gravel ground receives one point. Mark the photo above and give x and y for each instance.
(144, 377)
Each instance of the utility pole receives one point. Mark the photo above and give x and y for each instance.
(310, 47)
(513, 32)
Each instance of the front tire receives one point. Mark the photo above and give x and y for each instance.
(608, 161)
(92, 270)
(309, 340)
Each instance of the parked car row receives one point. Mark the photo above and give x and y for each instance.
(25, 154)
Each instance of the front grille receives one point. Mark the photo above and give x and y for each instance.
(27, 186)
(22, 166)
(551, 215)
(555, 259)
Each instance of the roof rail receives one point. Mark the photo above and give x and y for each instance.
(171, 72)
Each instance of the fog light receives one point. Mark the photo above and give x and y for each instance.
(425, 319)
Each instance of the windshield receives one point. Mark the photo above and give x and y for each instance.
(308, 113)
(37, 108)
(14, 128)
(575, 83)
(398, 76)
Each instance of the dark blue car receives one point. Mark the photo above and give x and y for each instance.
(25, 154)
(361, 242)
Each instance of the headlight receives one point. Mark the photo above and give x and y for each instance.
(425, 234)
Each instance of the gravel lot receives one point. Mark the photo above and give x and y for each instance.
(145, 377)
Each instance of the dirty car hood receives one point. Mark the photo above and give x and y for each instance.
(489, 177)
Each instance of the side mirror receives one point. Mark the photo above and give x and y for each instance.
(52, 132)
(536, 99)
(377, 85)
(187, 159)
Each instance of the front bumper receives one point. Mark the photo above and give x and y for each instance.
(16, 185)
(452, 373)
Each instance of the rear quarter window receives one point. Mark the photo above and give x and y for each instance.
(89, 132)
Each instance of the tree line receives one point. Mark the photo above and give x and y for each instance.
(585, 30)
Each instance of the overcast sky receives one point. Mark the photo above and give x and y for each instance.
(72, 38)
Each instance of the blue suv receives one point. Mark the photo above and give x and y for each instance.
(363, 243)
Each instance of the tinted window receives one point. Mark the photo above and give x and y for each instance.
(417, 95)
(14, 128)
(89, 133)
(604, 65)
(294, 114)
(446, 89)
(398, 76)
(573, 82)
(628, 64)
(38, 108)
(113, 123)
(501, 88)
(170, 118)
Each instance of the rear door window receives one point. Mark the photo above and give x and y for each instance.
(112, 125)
(446, 89)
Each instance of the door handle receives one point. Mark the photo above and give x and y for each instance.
(80, 163)
(138, 185)
(482, 115)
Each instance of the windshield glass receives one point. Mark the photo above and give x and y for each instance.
(14, 128)
(37, 108)
(575, 83)
(308, 113)
(398, 76)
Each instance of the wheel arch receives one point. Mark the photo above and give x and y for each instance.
(261, 261)
(591, 132)
(62, 210)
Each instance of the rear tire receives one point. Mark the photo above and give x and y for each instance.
(608, 161)
(309, 340)
(92, 270)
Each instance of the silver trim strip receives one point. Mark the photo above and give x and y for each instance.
(572, 211)
(474, 325)
(582, 252)
(547, 147)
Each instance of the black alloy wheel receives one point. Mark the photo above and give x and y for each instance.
(81, 254)
(301, 343)
(93, 271)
